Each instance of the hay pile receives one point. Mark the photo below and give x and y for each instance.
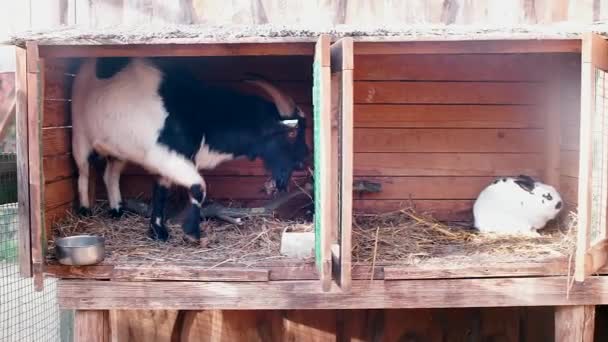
(257, 240)
(411, 238)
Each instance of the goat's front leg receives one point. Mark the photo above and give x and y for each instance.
(158, 230)
(192, 221)
(178, 170)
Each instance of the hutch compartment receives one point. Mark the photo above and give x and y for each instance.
(46, 73)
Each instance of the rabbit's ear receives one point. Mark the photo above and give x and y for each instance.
(525, 182)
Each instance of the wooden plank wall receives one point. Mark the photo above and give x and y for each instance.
(488, 324)
(240, 180)
(436, 129)
(58, 167)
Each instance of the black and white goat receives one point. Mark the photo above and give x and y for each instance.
(162, 118)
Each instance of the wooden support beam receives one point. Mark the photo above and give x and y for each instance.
(35, 95)
(192, 50)
(287, 295)
(91, 326)
(574, 323)
(23, 190)
(342, 57)
(467, 46)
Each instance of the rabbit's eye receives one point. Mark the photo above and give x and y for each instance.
(548, 197)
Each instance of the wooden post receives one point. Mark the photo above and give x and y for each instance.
(23, 192)
(322, 157)
(342, 92)
(91, 326)
(35, 95)
(574, 323)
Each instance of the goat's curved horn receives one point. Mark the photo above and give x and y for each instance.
(285, 104)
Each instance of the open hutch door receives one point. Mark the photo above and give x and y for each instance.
(591, 249)
(32, 239)
(321, 97)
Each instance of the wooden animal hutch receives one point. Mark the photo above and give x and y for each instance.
(432, 119)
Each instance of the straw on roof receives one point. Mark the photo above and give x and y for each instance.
(191, 34)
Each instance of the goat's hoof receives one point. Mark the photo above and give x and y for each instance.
(158, 233)
(116, 213)
(192, 239)
(205, 241)
(84, 211)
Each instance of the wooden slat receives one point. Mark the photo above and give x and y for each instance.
(447, 164)
(448, 116)
(35, 77)
(448, 140)
(556, 267)
(323, 161)
(189, 273)
(387, 92)
(574, 323)
(23, 192)
(445, 210)
(59, 192)
(58, 167)
(79, 272)
(439, 187)
(56, 113)
(445, 293)
(468, 47)
(274, 271)
(453, 67)
(56, 141)
(135, 50)
(91, 326)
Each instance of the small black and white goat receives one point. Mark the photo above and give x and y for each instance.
(164, 119)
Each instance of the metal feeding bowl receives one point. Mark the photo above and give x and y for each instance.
(80, 250)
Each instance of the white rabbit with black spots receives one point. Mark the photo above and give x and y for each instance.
(516, 206)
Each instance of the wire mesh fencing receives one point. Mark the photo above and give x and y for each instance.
(25, 315)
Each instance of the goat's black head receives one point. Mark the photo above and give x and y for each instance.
(284, 147)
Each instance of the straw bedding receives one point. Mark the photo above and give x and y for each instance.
(407, 237)
(257, 240)
(404, 237)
